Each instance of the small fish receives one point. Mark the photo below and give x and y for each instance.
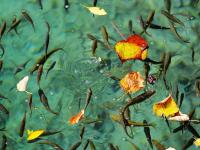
(52, 144)
(75, 119)
(173, 29)
(197, 87)
(167, 122)
(178, 128)
(158, 145)
(44, 101)
(94, 3)
(88, 98)
(177, 92)
(94, 47)
(75, 146)
(47, 133)
(82, 132)
(193, 54)
(22, 126)
(167, 61)
(1, 65)
(3, 50)
(28, 18)
(91, 37)
(193, 130)
(40, 4)
(39, 74)
(86, 145)
(66, 4)
(155, 26)
(4, 109)
(30, 100)
(21, 67)
(172, 17)
(146, 71)
(111, 146)
(92, 146)
(14, 25)
(105, 34)
(148, 135)
(47, 39)
(2, 29)
(4, 142)
(181, 100)
(189, 143)
(168, 5)
(130, 27)
(50, 67)
(43, 59)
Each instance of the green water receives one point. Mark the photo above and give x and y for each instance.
(76, 70)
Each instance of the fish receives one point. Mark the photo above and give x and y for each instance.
(14, 25)
(172, 17)
(148, 134)
(181, 100)
(43, 59)
(173, 29)
(192, 130)
(52, 144)
(177, 92)
(3, 50)
(47, 133)
(28, 18)
(4, 142)
(155, 26)
(189, 143)
(75, 146)
(1, 65)
(143, 24)
(130, 26)
(94, 3)
(66, 4)
(22, 126)
(47, 39)
(94, 47)
(88, 98)
(167, 62)
(21, 67)
(158, 145)
(39, 74)
(105, 34)
(2, 29)
(3, 97)
(44, 101)
(167, 122)
(111, 146)
(40, 4)
(4, 109)
(197, 87)
(146, 71)
(76, 118)
(193, 54)
(168, 5)
(50, 67)
(82, 132)
(92, 146)
(86, 145)
(30, 100)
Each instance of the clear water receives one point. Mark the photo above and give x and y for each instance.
(76, 70)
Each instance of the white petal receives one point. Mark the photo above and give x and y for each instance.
(22, 84)
(170, 148)
(180, 117)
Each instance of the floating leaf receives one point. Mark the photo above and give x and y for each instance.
(34, 134)
(134, 47)
(170, 148)
(22, 84)
(166, 107)
(132, 82)
(75, 119)
(96, 10)
(197, 142)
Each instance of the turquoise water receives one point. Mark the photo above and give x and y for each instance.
(76, 70)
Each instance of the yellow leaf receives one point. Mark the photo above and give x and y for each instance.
(96, 10)
(197, 142)
(34, 134)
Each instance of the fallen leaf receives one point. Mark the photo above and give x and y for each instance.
(22, 84)
(96, 10)
(34, 134)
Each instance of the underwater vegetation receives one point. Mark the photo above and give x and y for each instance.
(99, 75)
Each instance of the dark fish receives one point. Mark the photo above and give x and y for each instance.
(148, 135)
(167, 61)
(39, 74)
(155, 26)
(167, 5)
(167, 122)
(66, 4)
(44, 101)
(2, 29)
(177, 92)
(92, 146)
(14, 25)
(178, 128)
(151, 61)
(30, 100)
(43, 59)
(105, 34)
(158, 145)
(172, 17)
(82, 132)
(94, 47)
(4, 142)
(1, 65)
(111, 146)
(193, 130)
(47, 39)
(22, 126)
(4, 109)
(193, 54)
(94, 3)
(86, 145)
(21, 67)
(189, 143)
(75, 146)
(197, 87)
(3, 50)
(47, 133)
(173, 29)
(28, 18)
(146, 71)
(148, 21)
(88, 98)
(130, 27)
(52, 144)
(40, 4)
(91, 37)
(50, 67)
(143, 25)
(181, 100)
